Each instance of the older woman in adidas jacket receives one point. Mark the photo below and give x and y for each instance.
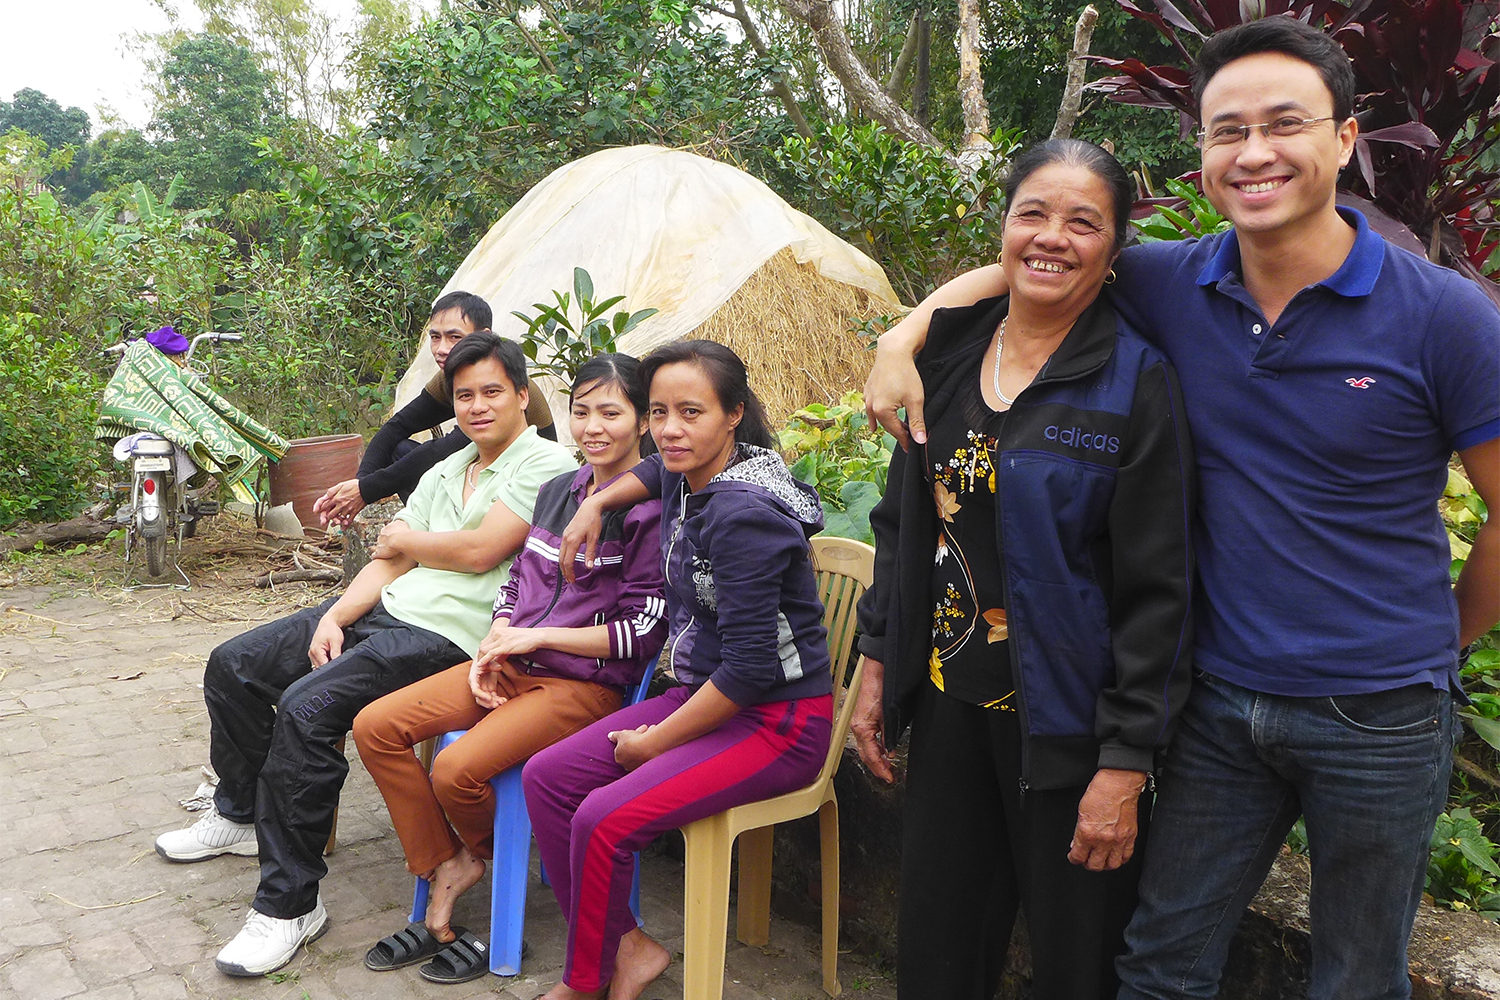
(1029, 620)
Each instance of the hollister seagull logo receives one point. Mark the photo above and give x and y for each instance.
(1361, 383)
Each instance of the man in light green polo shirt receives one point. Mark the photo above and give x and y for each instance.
(281, 696)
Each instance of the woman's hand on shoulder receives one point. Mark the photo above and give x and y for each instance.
(1104, 838)
(868, 721)
(893, 382)
(582, 533)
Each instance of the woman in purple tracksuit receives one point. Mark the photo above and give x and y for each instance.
(559, 657)
(753, 716)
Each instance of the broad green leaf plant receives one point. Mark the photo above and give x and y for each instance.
(832, 449)
(574, 328)
(1463, 512)
(1461, 871)
(1197, 217)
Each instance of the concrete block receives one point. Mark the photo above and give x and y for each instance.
(23, 738)
(109, 957)
(36, 934)
(44, 975)
(526, 988)
(166, 987)
(173, 940)
(354, 980)
(16, 908)
(119, 991)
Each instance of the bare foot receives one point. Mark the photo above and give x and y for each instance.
(450, 880)
(637, 964)
(562, 991)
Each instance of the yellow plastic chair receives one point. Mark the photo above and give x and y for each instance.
(846, 568)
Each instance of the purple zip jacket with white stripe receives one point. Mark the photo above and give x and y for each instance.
(622, 591)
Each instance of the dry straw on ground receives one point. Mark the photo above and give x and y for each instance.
(791, 325)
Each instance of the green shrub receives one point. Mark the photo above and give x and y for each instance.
(832, 449)
(1195, 216)
(46, 422)
(916, 213)
(323, 346)
(1462, 873)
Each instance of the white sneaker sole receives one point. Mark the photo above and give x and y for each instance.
(240, 971)
(245, 849)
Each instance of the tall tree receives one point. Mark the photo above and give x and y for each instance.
(214, 103)
(34, 112)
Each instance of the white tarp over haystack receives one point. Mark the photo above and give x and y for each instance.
(665, 228)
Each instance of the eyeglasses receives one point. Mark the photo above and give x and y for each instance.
(1281, 128)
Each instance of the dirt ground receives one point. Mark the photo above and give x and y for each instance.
(103, 731)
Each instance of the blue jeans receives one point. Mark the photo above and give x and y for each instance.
(1370, 774)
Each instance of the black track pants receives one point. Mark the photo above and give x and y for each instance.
(973, 851)
(274, 728)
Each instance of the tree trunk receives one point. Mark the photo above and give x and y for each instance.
(922, 86)
(1067, 111)
(780, 87)
(863, 89)
(531, 42)
(897, 82)
(971, 81)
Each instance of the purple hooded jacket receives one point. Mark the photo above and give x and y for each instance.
(622, 591)
(741, 592)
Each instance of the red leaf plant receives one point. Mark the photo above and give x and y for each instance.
(1426, 100)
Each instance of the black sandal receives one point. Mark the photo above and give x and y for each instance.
(461, 961)
(408, 946)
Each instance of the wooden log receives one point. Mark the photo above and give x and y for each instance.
(299, 576)
(79, 529)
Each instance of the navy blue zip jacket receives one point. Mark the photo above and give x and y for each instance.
(1094, 504)
(742, 597)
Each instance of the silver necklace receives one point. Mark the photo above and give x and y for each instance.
(1000, 347)
(469, 476)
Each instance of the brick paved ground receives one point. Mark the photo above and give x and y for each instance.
(102, 731)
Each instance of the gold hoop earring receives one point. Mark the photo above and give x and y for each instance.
(1000, 258)
(1109, 279)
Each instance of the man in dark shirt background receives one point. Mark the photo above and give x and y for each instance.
(392, 461)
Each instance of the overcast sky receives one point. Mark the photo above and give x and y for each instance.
(77, 51)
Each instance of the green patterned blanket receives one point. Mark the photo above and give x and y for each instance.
(150, 393)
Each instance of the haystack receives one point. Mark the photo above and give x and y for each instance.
(793, 328)
(713, 249)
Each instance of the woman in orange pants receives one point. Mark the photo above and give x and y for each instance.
(558, 658)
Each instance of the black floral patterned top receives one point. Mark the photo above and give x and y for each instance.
(970, 654)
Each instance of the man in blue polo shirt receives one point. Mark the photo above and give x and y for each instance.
(1328, 377)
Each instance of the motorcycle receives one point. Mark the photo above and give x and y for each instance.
(162, 509)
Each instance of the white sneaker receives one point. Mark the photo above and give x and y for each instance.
(208, 838)
(265, 943)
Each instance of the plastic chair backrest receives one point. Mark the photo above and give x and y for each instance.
(845, 569)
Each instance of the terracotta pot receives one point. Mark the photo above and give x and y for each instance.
(309, 467)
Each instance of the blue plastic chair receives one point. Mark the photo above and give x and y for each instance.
(513, 859)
